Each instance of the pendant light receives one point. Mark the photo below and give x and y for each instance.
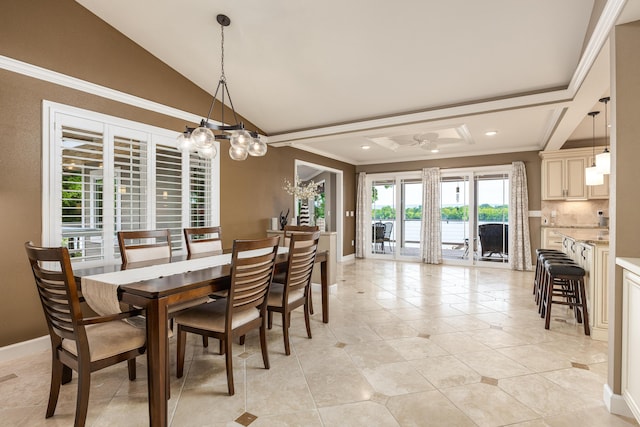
(592, 175)
(201, 139)
(603, 160)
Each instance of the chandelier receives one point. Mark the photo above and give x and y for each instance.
(202, 138)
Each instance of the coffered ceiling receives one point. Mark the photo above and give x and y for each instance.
(411, 80)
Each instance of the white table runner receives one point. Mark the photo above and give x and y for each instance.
(101, 290)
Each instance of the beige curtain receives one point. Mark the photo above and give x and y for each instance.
(520, 251)
(363, 232)
(431, 217)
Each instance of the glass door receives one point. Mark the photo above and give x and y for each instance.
(411, 221)
(396, 214)
(455, 199)
(492, 214)
(383, 216)
(475, 215)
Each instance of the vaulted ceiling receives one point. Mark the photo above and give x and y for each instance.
(410, 80)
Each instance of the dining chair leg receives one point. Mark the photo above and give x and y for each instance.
(67, 374)
(241, 340)
(221, 347)
(131, 366)
(307, 320)
(84, 386)
(285, 331)
(229, 363)
(54, 388)
(181, 344)
(263, 345)
(205, 341)
(270, 317)
(310, 300)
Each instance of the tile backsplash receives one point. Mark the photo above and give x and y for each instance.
(573, 213)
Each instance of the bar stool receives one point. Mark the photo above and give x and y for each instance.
(564, 284)
(542, 256)
(539, 264)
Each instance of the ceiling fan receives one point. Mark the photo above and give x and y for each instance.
(428, 141)
(431, 141)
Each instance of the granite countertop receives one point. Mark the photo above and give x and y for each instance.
(590, 236)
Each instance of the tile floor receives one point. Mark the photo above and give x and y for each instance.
(407, 345)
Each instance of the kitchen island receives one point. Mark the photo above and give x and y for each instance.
(590, 249)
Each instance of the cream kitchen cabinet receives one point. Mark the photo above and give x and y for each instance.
(563, 176)
(563, 179)
(593, 257)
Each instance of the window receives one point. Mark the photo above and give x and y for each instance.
(104, 174)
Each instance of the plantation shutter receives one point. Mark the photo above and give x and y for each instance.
(168, 178)
(81, 191)
(199, 192)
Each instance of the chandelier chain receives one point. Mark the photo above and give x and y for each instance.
(222, 76)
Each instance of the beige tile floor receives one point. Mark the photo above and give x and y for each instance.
(407, 344)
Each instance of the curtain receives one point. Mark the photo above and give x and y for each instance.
(363, 231)
(520, 251)
(431, 217)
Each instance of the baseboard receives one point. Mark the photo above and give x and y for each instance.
(348, 258)
(25, 348)
(615, 403)
(318, 287)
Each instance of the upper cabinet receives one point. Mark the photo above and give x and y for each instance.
(563, 176)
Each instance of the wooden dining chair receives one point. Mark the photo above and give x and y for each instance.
(245, 308)
(82, 344)
(294, 291)
(144, 245)
(288, 231)
(203, 241)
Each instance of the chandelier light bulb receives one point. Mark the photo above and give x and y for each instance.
(207, 152)
(241, 139)
(202, 138)
(257, 148)
(184, 142)
(237, 153)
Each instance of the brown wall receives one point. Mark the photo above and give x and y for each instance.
(74, 42)
(531, 159)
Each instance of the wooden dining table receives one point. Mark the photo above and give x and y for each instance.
(156, 295)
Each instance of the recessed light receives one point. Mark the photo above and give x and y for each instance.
(435, 150)
(365, 147)
(491, 132)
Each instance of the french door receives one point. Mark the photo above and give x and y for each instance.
(475, 216)
(396, 214)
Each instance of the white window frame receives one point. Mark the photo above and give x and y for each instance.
(104, 124)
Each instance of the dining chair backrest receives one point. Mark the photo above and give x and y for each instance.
(252, 266)
(203, 240)
(302, 256)
(57, 290)
(294, 229)
(144, 245)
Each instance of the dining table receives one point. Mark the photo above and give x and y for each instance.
(156, 294)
